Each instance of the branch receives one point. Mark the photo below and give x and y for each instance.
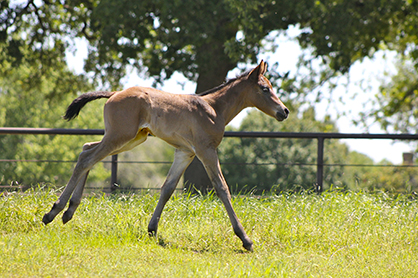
(84, 31)
(9, 20)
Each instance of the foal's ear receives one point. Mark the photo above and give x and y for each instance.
(259, 70)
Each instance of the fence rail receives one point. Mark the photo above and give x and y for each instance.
(320, 137)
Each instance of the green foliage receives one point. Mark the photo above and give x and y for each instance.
(344, 31)
(201, 37)
(145, 175)
(400, 179)
(285, 164)
(397, 100)
(25, 102)
(361, 173)
(262, 164)
(203, 40)
(300, 235)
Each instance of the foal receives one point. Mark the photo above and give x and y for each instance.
(193, 124)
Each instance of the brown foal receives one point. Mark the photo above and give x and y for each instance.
(193, 124)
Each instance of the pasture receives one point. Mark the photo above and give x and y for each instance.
(335, 234)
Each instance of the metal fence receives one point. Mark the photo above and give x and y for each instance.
(320, 137)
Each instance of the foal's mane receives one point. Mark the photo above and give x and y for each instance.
(223, 85)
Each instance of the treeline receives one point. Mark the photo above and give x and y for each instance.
(249, 164)
(260, 164)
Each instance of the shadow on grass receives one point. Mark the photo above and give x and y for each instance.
(204, 250)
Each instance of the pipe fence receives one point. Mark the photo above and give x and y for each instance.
(320, 137)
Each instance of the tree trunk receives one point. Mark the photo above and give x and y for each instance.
(214, 65)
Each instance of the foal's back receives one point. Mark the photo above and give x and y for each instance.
(179, 119)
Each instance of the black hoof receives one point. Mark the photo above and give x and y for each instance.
(248, 246)
(66, 217)
(152, 233)
(46, 219)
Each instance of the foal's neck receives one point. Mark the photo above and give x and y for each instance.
(228, 101)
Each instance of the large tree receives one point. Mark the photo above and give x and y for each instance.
(205, 39)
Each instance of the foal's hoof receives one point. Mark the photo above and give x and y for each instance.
(248, 246)
(66, 217)
(47, 219)
(152, 233)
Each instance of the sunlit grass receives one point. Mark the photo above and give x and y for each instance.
(295, 235)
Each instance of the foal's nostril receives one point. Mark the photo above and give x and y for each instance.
(282, 115)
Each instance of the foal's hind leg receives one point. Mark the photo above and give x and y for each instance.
(75, 199)
(78, 192)
(115, 141)
(86, 161)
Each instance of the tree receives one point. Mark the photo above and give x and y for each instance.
(397, 102)
(275, 165)
(25, 101)
(280, 164)
(201, 39)
(388, 178)
(145, 175)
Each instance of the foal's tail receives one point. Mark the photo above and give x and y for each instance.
(74, 109)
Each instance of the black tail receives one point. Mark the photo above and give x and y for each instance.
(74, 109)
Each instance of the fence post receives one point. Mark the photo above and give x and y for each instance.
(114, 176)
(320, 165)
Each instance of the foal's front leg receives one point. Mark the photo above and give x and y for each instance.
(210, 161)
(181, 161)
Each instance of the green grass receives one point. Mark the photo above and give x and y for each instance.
(301, 235)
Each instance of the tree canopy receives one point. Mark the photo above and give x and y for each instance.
(198, 38)
(205, 39)
(397, 100)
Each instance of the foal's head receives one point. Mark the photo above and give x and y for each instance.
(260, 94)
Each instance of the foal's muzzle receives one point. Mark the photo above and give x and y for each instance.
(282, 114)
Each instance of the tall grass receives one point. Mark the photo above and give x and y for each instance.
(295, 235)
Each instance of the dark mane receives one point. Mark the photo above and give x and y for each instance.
(223, 85)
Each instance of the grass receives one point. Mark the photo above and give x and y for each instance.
(295, 235)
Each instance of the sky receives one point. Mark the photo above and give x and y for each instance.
(364, 80)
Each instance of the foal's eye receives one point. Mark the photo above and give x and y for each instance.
(265, 89)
